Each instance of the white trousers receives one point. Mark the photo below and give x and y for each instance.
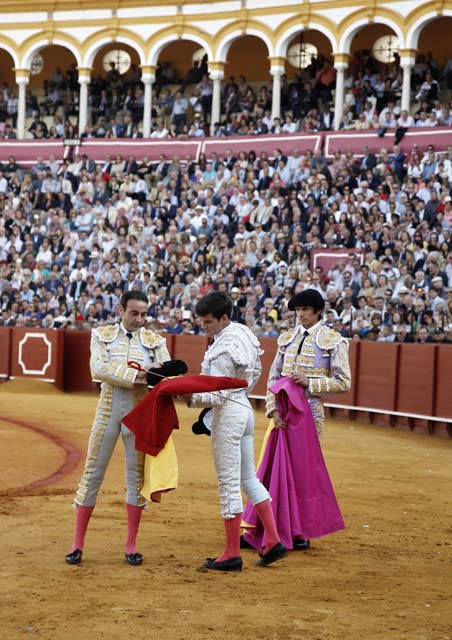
(233, 456)
(112, 407)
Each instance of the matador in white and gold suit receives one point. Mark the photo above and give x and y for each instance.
(111, 350)
(122, 387)
(234, 352)
(316, 358)
(322, 355)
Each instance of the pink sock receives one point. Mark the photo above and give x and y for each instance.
(134, 514)
(81, 524)
(232, 531)
(265, 512)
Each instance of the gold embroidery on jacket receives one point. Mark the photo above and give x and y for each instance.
(107, 333)
(150, 339)
(286, 337)
(327, 338)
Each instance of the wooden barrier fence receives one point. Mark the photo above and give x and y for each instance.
(400, 385)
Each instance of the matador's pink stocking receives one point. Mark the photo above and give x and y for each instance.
(134, 514)
(232, 531)
(265, 512)
(81, 524)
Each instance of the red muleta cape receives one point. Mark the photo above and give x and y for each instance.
(153, 419)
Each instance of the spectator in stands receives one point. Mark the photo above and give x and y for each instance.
(179, 110)
(205, 88)
(428, 90)
(423, 335)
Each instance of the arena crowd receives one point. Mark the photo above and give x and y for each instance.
(74, 236)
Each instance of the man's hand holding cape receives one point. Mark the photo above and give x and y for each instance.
(153, 420)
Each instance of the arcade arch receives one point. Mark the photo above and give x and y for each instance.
(269, 38)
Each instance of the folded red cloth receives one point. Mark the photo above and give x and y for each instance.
(153, 419)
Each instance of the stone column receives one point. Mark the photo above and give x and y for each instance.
(340, 64)
(148, 79)
(84, 78)
(407, 60)
(277, 69)
(22, 80)
(216, 72)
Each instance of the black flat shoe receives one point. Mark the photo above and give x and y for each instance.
(244, 544)
(75, 557)
(299, 544)
(134, 559)
(233, 564)
(277, 552)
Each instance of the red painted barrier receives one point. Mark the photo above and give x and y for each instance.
(377, 376)
(348, 398)
(416, 365)
(76, 371)
(5, 347)
(150, 148)
(37, 353)
(269, 347)
(440, 137)
(26, 151)
(405, 385)
(191, 349)
(287, 143)
(442, 386)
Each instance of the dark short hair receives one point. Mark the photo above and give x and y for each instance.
(132, 295)
(216, 303)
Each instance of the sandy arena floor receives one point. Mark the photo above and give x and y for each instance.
(387, 576)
